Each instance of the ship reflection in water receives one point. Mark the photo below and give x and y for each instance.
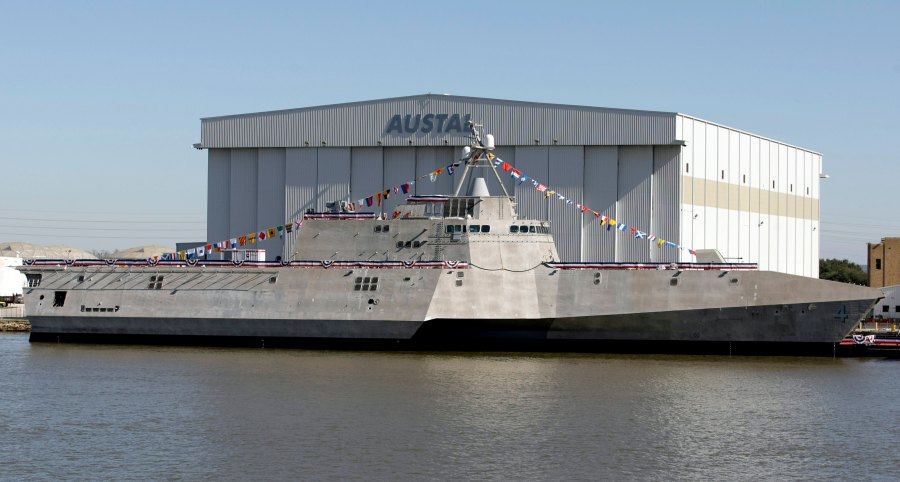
(111, 412)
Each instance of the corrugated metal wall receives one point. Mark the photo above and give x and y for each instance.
(301, 180)
(566, 176)
(218, 194)
(366, 175)
(601, 193)
(284, 183)
(635, 203)
(665, 201)
(271, 195)
(334, 176)
(368, 124)
(242, 218)
(534, 161)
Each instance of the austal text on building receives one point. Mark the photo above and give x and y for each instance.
(424, 124)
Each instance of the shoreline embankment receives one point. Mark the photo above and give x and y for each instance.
(11, 324)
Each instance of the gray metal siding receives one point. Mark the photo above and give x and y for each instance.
(243, 191)
(634, 207)
(429, 159)
(366, 123)
(334, 175)
(666, 199)
(399, 167)
(218, 198)
(270, 189)
(566, 176)
(366, 173)
(533, 161)
(601, 167)
(301, 187)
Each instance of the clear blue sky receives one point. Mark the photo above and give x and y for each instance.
(101, 101)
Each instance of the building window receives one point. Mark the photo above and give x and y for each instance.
(773, 184)
(885, 309)
(897, 309)
(745, 179)
(877, 263)
(792, 187)
(687, 167)
(723, 173)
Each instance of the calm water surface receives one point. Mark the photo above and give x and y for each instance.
(126, 412)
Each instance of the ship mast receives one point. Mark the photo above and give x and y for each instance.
(479, 156)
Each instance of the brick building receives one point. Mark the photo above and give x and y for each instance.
(884, 263)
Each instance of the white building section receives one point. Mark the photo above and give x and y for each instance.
(752, 198)
(11, 281)
(889, 307)
(689, 181)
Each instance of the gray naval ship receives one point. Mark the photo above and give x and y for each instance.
(445, 272)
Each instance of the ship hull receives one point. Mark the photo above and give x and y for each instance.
(781, 329)
(548, 308)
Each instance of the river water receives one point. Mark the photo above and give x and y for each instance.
(138, 412)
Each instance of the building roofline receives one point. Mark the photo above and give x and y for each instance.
(718, 124)
(440, 96)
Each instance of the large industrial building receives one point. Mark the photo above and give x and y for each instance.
(694, 182)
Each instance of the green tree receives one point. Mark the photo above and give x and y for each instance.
(842, 270)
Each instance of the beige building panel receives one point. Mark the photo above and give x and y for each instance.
(722, 195)
(702, 192)
(734, 196)
(687, 190)
(699, 187)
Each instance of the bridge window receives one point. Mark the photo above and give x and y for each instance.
(474, 228)
(514, 229)
(486, 228)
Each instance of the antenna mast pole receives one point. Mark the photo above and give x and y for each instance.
(479, 156)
